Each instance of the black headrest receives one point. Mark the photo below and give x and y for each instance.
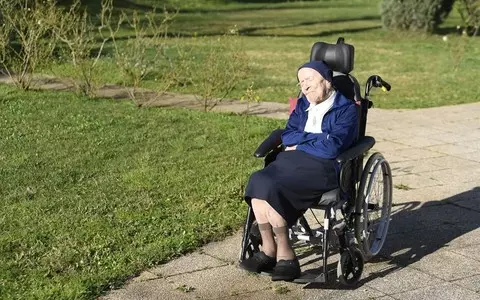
(338, 56)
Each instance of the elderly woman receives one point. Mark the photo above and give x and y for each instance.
(323, 124)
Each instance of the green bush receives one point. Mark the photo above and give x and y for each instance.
(415, 15)
(469, 11)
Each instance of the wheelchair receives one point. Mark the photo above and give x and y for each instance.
(358, 211)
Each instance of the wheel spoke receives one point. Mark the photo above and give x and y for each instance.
(376, 202)
(372, 227)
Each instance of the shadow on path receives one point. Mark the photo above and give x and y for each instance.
(416, 230)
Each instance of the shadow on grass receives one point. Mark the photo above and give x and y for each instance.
(267, 6)
(321, 33)
(416, 230)
(250, 31)
(263, 1)
(94, 6)
(448, 30)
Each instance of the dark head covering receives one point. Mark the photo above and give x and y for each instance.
(321, 67)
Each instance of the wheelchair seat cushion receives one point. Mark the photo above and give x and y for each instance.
(328, 198)
(292, 183)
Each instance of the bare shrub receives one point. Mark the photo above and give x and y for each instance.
(26, 38)
(79, 35)
(250, 96)
(143, 53)
(215, 72)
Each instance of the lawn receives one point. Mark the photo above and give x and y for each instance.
(424, 70)
(94, 191)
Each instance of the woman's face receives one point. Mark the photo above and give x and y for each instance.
(313, 85)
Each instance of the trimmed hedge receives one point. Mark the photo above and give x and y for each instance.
(415, 15)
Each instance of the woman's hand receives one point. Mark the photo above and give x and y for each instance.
(290, 148)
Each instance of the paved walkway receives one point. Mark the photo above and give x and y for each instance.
(433, 247)
(432, 251)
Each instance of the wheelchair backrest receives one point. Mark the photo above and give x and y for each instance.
(340, 58)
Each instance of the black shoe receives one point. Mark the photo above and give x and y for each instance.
(259, 262)
(286, 270)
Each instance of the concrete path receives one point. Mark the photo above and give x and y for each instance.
(432, 250)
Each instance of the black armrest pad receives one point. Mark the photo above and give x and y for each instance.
(270, 143)
(360, 147)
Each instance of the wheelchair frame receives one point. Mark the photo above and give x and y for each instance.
(352, 199)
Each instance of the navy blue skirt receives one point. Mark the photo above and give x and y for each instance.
(292, 183)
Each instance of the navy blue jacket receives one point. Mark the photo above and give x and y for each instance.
(339, 129)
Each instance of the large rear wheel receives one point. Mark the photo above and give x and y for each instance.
(373, 205)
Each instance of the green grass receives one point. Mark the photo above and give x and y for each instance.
(94, 191)
(424, 71)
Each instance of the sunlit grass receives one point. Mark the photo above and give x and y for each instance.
(94, 191)
(424, 70)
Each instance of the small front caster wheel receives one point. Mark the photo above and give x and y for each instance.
(349, 269)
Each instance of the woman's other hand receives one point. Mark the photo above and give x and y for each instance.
(290, 148)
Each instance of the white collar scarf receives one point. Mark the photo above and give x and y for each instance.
(316, 112)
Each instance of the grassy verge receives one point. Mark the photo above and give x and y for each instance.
(424, 71)
(94, 191)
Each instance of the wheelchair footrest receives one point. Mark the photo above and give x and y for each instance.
(311, 278)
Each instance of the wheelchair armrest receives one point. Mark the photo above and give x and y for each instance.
(270, 143)
(360, 147)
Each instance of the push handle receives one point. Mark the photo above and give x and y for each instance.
(384, 85)
(376, 81)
